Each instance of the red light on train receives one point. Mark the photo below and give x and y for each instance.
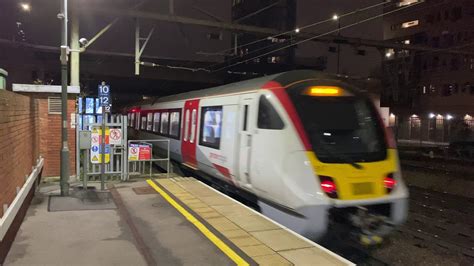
(328, 187)
(389, 183)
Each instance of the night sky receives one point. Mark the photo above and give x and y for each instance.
(184, 41)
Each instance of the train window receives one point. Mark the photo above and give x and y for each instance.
(156, 122)
(193, 126)
(174, 124)
(164, 123)
(137, 121)
(268, 117)
(186, 125)
(132, 119)
(149, 123)
(211, 125)
(143, 127)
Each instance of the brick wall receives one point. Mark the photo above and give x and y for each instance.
(50, 137)
(18, 142)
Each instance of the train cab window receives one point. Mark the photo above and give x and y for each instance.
(174, 124)
(143, 127)
(268, 117)
(149, 123)
(156, 122)
(186, 125)
(164, 123)
(193, 126)
(211, 125)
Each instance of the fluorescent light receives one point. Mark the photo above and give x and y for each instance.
(25, 7)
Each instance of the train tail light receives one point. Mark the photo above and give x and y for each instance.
(389, 183)
(328, 186)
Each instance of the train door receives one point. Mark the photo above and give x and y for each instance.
(189, 139)
(245, 136)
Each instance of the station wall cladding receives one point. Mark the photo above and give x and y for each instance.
(19, 142)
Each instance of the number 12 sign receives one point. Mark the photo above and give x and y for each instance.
(104, 96)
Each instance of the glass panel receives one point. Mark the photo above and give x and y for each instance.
(186, 126)
(89, 105)
(164, 123)
(193, 126)
(174, 124)
(149, 123)
(211, 122)
(268, 117)
(156, 122)
(143, 122)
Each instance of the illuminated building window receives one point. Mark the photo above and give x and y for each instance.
(409, 24)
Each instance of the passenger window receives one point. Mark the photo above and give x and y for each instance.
(156, 122)
(164, 123)
(143, 127)
(132, 119)
(193, 127)
(137, 121)
(268, 117)
(211, 124)
(186, 125)
(149, 123)
(174, 124)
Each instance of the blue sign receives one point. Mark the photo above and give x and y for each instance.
(95, 148)
(104, 97)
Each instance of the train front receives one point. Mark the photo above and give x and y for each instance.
(354, 159)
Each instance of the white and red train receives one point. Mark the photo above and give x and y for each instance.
(305, 146)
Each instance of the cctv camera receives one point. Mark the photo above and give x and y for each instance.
(83, 42)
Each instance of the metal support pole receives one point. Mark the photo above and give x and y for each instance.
(64, 71)
(74, 48)
(137, 47)
(102, 144)
(84, 170)
(338, 45)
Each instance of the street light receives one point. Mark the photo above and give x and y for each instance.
(25, 7)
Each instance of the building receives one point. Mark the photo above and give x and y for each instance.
(431, 94)
(279, 15)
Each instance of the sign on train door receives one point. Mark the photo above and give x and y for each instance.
(247, 122)
(190, 131)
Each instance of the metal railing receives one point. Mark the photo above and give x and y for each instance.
(158, 154)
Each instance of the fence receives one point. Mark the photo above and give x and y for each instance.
(142, 151)
(437, 131)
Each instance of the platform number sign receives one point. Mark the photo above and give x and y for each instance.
(104, 96)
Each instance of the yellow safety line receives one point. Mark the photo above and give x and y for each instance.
(211, 236)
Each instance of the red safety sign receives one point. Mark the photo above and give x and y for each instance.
(145, 153)
(115, 136)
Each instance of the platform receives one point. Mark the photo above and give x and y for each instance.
(177, 221)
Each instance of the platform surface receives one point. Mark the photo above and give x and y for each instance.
(175, 221)
(152, 233)
(264, 241)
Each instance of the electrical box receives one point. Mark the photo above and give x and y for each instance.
(84, 139)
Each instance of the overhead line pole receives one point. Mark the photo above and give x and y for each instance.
(64, 157)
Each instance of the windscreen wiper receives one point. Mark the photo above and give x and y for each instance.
(340, 157)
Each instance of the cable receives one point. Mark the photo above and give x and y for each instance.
(320, 35)
(305, 27)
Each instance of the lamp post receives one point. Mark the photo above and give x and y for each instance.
(336, 17)
(64, 159)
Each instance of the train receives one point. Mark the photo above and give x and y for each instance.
(307, 148)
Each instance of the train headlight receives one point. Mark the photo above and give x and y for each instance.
(389, 183)
(328, 186)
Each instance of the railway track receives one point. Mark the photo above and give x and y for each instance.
(442, 221)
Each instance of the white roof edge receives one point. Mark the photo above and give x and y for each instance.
(44, 88)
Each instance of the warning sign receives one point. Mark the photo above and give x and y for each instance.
(96, 145)
(138, 152)
(133, 151)
(115, 136)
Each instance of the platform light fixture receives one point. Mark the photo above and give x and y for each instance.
(297, 30)
(449, 117)
(335, 17)
(431, 115)
(25, 7)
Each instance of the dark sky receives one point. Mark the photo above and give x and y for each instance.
(183, 41)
